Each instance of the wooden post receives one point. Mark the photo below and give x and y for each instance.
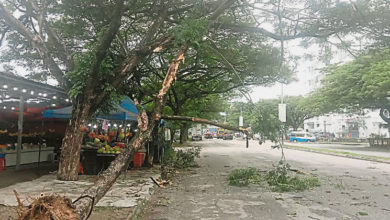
(20, 132)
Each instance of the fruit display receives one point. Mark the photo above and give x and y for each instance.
(107, 149)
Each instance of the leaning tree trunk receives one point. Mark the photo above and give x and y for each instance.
(183, 133)
(71, 144)
(92, 195)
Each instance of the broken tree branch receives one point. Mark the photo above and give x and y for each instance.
(204, 121)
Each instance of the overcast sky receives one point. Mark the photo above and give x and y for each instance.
(307, 73)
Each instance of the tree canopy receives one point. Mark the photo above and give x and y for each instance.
(362, 83)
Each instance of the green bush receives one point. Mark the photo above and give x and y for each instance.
(182, 158)
(278, 180)
(242, 177)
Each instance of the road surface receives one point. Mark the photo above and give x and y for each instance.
(350, 188)
(363, 148)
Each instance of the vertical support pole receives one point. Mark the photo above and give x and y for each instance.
(281, 102)
(41, 142)
(283, 133)
(20, 132)
(247, 141)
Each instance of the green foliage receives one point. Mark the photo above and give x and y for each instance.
(245, 176)
(362, 83)
(190, 31)
(182, 158)
(279, 179)
(264, 120)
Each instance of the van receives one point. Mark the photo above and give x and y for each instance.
(302, 136)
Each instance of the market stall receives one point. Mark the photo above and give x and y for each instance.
(22, 102)
(105, 136)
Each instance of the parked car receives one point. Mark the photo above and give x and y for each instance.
(208, 136)
(228, 136)
(196, 137)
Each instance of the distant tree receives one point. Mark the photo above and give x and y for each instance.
(359, 84)
(297, 112)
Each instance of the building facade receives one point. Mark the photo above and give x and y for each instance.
(354, 126)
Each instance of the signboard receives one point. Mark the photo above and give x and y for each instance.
(241, 121)
(282, 112)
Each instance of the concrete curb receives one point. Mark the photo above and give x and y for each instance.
(368, 158)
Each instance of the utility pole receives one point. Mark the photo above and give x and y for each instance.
(282, 113)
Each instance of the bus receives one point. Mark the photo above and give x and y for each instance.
(302, 136)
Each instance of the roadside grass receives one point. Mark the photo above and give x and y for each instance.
(278, 180)
(336, 152)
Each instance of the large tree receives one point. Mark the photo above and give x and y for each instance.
(94, 48)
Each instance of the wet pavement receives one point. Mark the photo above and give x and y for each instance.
(350, 188)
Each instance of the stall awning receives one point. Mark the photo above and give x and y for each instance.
(126, 110)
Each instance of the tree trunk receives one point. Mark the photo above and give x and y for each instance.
(71, 144)
(152, 147)
(172, 135)
(183, 133)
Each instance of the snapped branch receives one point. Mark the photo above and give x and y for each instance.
(203, 121)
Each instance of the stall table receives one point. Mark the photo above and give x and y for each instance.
(29, 155)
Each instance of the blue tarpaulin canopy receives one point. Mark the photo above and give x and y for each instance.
(124, 111)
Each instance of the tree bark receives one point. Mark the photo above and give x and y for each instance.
(71, 144)
(183, 133)
(153, 145)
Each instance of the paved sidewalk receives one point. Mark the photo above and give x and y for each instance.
(130, 188)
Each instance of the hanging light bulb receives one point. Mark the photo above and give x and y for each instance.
(109, 125)
(44, 94)
(15, 88)
(54, 105)
(12, 108)
(7, 96)
(39, 94)
(32, 93)
(115, 125)
(54, 97)
(24, 90)
(5, 86)
(95, 126)
(128, 125)
(66, 100)
(89, 125)
(5, 107)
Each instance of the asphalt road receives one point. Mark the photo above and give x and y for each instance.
(350, 188)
